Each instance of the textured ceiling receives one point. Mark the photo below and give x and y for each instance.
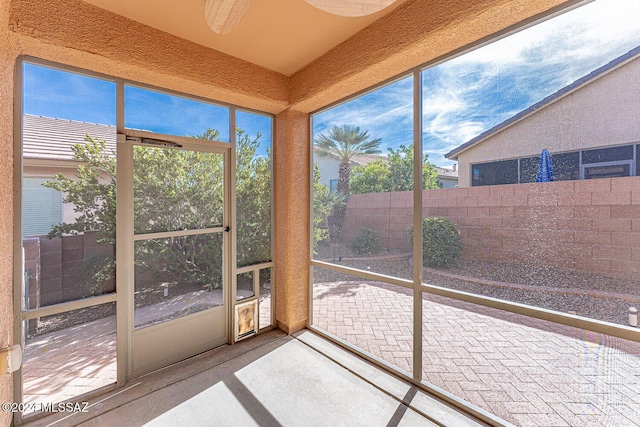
(281, 35)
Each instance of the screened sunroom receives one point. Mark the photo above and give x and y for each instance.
(218, 224)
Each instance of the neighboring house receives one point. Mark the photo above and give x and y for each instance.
(329, 166)
(46, 147)
(447, 178)
(591, 127)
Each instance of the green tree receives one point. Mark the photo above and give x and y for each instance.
(173, 190)
(93, 195)
(344, 143)
(401, 170)
(394, 174)
(92, 192)
(324, 201)
(321, 210)
(178, 190)
(253, 201)
(374, 177)
(253, 198)
(441, 242)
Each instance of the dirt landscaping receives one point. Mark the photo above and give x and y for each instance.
(591, 295)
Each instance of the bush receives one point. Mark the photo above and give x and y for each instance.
(366, 242)
(441, 245)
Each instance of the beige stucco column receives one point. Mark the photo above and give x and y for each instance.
(291, 198)
(7, 65)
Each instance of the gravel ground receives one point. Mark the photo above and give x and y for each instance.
(533, 280)
(66, 320)
(607, 309)
(72, 318)
(398, 264)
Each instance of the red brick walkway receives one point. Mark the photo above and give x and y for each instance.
(527, 371)
(61, 365)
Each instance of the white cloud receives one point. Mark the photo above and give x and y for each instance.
(471, 93)
(386, 113)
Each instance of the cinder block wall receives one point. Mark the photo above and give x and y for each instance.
(54, 265)
(390, 214)
(591, 225)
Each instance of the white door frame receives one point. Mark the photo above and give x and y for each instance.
(142, 348)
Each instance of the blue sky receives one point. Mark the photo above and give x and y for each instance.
(57, 94)
(54, 93)
(469, 94)
(462, 97)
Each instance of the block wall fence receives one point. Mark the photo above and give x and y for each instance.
(590, 225)
(52, 267)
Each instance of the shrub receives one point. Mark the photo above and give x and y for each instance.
(441, 245)
(95, 274)
(366, 242)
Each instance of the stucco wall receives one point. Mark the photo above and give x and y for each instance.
(328, 168)
(291, 183)
(7, 57)
(591, 225)
(599, 114)
(79, 34)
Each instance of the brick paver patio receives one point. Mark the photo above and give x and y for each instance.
(61, 365)
(527, 371)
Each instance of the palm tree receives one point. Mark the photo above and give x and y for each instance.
(345, 142)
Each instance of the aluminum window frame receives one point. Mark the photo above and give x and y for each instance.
(619, 331)
(121, 295)
(630, 163)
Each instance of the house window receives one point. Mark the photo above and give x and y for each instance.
(607, 170)
(41, 207)
(495, 173)
(609, 154)
(606, 162)
(610, 162)
(566, 166)
(529, 169)
(333, 185)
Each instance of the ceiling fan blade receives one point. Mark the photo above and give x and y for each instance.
(223, 15)
(350, 8)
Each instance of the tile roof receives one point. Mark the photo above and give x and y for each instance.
(51, 139)
(444, 172)
(360, 159)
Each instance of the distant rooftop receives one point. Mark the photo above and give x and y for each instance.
(445, 172)
(361, 159)
(51, 139)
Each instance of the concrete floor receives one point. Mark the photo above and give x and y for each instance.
(271, 380)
